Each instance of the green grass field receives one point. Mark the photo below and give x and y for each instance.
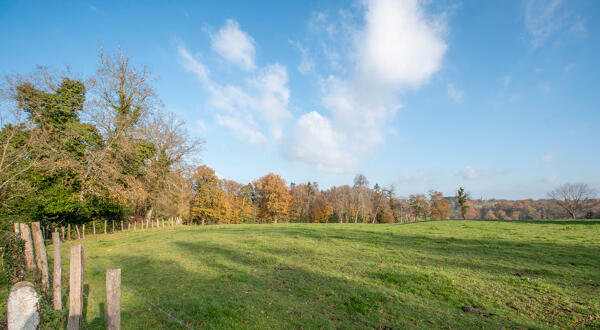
(521, 274)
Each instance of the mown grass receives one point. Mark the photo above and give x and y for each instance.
(525, 274)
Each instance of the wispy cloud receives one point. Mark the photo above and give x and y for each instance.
(455, 94)
(547, 158)
(506, 80)
(544, 19)
(306, 63)
(246, 109)
(476, 173)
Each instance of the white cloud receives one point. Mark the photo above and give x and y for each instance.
(306, 64)
(234, 45)
(551, 179)
(398, 48)
(547, 158)
(455, 94)
(506, 80)
(261, 101)
(315, 142)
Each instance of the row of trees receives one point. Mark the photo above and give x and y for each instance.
(74, 149)
(269, 199)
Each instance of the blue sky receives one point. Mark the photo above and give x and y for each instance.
(500, 97)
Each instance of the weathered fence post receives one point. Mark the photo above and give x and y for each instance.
(113, 225)
(83, 231)
(56, 273)
(129, 226)
(104, 226)
(62, 232)
(75, 287)
(121, 225)
(17, 227)
(94, 225)
(113, 298)
(26, 236)
(40, 254)
(135, 226)
(77, 230)
(69, 228)
(22, 308)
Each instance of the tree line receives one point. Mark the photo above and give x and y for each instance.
(270, 199)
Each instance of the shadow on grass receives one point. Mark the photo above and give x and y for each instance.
(254, 289)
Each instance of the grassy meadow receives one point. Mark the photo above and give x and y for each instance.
(442, 274)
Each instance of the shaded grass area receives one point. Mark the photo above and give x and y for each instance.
(459, 274)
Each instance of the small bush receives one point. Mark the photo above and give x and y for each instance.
(13, 257)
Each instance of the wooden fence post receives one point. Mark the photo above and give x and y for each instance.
(113, 225)
(94, 225)
(104, 226)
(77, 230)
(56, 273)
(62, 232)
(135, 226)
(69, 228)
(75, 288)
(26, 236)
(17, 227)
(83, 230)
(121, 225)
(40, 254)
(113, 298)
(129, 226)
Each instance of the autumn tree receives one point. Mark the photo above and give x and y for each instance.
(419, 205)
(572, 197)
(321, 210)
(274, 197)
(439, 206)
(208, 201)
(462, 198)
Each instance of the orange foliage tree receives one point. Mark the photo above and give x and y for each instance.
(274, 198)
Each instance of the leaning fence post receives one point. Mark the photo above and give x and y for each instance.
(56, 273)
(113, 298)
(40, 254)
(75, 287)
(77, 230)
(26, 236)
